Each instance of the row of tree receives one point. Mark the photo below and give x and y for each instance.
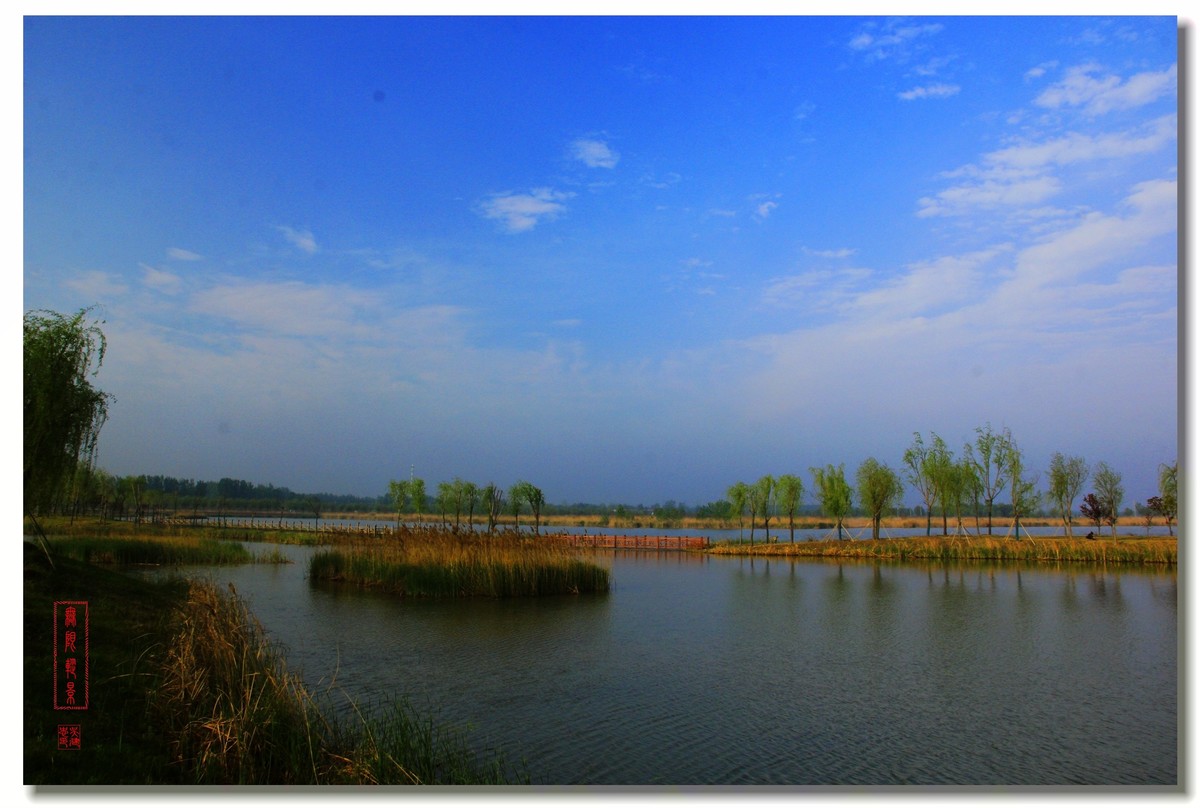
(460, 496)
(991, 466)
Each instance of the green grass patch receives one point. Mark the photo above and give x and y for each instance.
(147, 550)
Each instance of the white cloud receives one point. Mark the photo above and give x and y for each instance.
(764, 209)
(594, 153)
(1074, 147)
(290, 308)
(161, 280)
(989, 194)
(843, 252)
(303, 239)
(97, 285)
(891, 39)
(1019, 175)
(827, 290)
(931, 91)
(521, 212)
(1085, 87)
(180, 254)
(1039, 71)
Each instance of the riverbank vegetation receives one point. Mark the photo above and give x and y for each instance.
(436, 563)
(187, 689)
(1127, 550)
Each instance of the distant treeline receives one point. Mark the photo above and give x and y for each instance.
(244, 495)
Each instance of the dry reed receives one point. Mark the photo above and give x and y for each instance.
(236, 715)
(425, 561)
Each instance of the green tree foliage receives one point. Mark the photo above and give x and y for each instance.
(879, 488)
(739, 497)
(1022, 489)
(417, 495)
(926, 467)
(1067, 476)
(1109, 492)
(789, 490)
(536, 500)
(444, 500)
(832, 492)
(63, 411)
(988, 456)
(761, 500)
(398, 491)
(470, 498)
(526, 492)
(493, 500)
(956, 486)
(1168, 492)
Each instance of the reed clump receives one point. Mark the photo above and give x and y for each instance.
(975, 548)
(430, 562)
(236, 715)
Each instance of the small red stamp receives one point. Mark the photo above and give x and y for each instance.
(70, 737)
(70, 658)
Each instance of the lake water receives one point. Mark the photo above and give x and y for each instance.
(706, 670)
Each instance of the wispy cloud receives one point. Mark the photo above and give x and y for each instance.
(180, 254)
(521, 212)
(764, 209)
(97, 285)
(930, 91)
(842, 252)
(1040, 70)
(161, 280)
(594, 153)
(1095, 92)
(890, 39)
(302, 239)
(1019, 175)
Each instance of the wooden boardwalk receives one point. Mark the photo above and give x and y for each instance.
(381, 529)
(631, 542)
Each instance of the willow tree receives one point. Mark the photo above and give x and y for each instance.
(1067, 476)
(989, 456)
(789, 489)
(1168, 492)
(63, 411)
(833, 492)
(926, 468)
(1110, 492)
(762, 495)
(738, 495)
(398, 491)
(879, 488)
(1022, 489)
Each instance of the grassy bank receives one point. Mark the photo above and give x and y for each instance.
(428, 562)
(185, 688)
(1127, 550)
(147, 550)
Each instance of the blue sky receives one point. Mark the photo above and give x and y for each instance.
(628, 259)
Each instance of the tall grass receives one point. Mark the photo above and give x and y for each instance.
(154, 550)
(983, 548)
(428, 562)
(236, 715)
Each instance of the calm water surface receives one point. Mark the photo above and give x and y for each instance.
(698, 670)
